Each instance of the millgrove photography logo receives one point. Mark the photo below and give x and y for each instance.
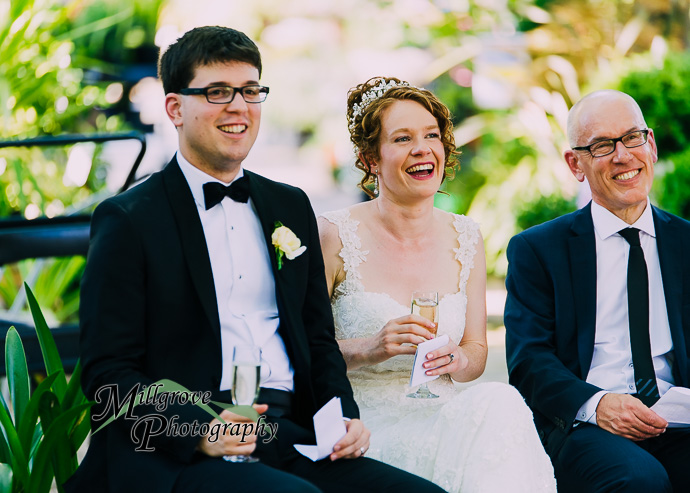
(166, 393)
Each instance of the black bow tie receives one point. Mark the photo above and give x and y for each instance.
(214, 192)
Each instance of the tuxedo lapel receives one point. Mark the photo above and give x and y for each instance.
(267, 205)
(583, 271)
(264, 210)
(668, 242)
(261, 198)
(193, 241)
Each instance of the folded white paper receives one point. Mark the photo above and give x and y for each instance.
(674, 407)
(418, 375)
(329, 427)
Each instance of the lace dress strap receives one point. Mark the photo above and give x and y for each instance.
(351, 252)
(468, 237)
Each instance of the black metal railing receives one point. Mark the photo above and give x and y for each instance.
(63, 236)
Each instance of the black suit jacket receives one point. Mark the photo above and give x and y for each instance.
(149, 311)
(550, 313)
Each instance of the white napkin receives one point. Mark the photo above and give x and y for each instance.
(329, 427)
(418, 375)
(674, 407)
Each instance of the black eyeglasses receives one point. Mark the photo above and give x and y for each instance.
(225, 94)
(602, 148)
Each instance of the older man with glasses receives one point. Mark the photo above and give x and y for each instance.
(597, 317)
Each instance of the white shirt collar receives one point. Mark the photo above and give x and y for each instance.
(606, 223)
(196, 178)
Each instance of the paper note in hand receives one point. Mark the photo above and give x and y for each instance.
(329, 427)
(418, 375)
(674, 407)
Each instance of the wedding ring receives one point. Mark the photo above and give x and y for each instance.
(452, 357)
(361, 449)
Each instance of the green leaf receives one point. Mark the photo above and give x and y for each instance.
(51, 357)
(81, 428)
(17, 374)
(63, 458)
(99, 25)
(48, 408)
(35, 442)
(18, 461)
(75, 397)
(5, 477)
(74, 394)
(27, 428)
(5, 455)
(40, 483)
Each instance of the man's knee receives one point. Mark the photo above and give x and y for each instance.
(594, 460)
(649, 477)
(621, 476)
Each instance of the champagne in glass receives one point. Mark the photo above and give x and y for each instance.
(245, 383)
(246, 368)
(425, 304)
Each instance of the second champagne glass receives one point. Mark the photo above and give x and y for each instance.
(425, 304)
(246, 368)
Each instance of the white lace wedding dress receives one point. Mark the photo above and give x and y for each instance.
(481, 439)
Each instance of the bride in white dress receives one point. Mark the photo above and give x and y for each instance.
(481, 439)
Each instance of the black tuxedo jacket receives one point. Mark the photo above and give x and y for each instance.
(550, 313)
(149, 312)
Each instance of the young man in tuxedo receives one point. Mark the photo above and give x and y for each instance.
(180, 270)
(597, 322)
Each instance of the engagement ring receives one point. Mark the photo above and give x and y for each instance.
(452, 357)
(361, 449)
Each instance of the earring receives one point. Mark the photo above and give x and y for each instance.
(376, 184)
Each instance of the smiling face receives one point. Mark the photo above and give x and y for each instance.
(216, 138)
(411, 155)
(620, 181)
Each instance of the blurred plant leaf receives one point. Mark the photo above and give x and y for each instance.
(51, 357)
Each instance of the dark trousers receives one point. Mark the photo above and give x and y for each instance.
(594, 460)
(283, 469)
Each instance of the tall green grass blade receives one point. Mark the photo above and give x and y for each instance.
(5, 477)
(52, 437)
(51, 357)
(5, 456)
(26, 430)
(17, 374)
(63, 459)
(74, 394)
(18, 462)
(80, 429)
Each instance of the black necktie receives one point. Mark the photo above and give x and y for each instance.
(214, 192)
(638, 317)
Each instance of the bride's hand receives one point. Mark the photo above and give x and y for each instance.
(410, 330)
(447, 359)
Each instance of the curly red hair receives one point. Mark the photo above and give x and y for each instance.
(365, 126)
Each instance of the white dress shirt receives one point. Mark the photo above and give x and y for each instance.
(612, 367)
(244, 282)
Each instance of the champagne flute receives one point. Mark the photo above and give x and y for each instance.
(246, 370)
(425, 304)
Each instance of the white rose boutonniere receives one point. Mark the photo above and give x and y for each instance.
(286, 243)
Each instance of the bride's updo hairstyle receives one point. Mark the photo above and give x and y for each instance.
(366, 104)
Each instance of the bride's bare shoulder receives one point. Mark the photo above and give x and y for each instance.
(361, 211)
(328, 235)
(445, 219)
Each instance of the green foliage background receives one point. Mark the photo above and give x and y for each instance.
(54, 79)
(62, 58)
